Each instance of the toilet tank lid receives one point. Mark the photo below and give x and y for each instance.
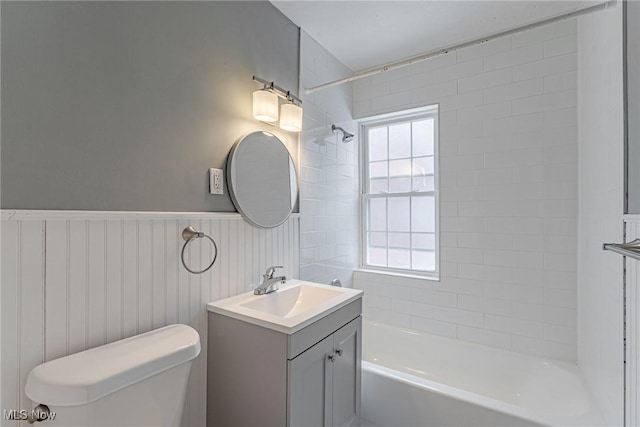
(83, 377)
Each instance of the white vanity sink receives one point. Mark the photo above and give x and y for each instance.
(295, 305)
(293, 301)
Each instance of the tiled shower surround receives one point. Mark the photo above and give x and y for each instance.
(508, 193)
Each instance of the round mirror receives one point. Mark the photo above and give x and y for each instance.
(262, 179)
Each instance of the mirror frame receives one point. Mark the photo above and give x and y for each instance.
(232, 193)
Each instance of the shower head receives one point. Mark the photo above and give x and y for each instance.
(346, 136)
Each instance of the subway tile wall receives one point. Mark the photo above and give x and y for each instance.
(328, 171)
(508, 182)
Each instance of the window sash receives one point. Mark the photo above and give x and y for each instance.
(412, 248)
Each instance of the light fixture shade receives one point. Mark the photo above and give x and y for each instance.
(265, 106)
(291, 117)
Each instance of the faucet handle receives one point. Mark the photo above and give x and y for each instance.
(270, 271)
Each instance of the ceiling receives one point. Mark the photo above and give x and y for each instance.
(366, 34)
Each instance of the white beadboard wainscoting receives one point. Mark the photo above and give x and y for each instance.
(632, 224)
(75, 280)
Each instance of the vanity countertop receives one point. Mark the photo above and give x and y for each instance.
(294, 306)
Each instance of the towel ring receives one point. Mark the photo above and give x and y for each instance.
(190, 234)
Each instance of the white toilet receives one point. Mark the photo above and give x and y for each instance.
(138, 381)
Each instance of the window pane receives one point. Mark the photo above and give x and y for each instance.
(398, 214)
(423, 241)
(377, 249)
(378, 240)
(378, 144)
(400, 240)
(400, 141)
(399, 258)
(422, 135)
(400, 168)
(423, 214)
(377, 215)
(399, 185)
(400, 176)
(377, 256)
(423, 260)
(378, 169)
(424, 183)
(422, 166)
(378, 172)
(379, 185)
(422, 171)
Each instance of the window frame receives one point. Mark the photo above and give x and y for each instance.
(404, 116)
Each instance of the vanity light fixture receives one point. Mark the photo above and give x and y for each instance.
(291, 117)
(265, 106)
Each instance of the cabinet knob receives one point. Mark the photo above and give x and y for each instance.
(339, 352)
(332, 357)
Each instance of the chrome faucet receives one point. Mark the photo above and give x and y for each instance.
(269, 283)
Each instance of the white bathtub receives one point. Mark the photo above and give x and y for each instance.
(414, 379)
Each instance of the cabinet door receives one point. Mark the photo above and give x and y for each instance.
(346, 374)
(310, 378)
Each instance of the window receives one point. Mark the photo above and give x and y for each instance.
(400, 192)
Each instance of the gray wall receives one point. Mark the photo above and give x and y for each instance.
(633, 96)
(125, 105)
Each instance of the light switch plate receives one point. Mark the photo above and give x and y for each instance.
(215, 181)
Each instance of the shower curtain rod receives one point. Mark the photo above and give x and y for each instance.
(453, 48)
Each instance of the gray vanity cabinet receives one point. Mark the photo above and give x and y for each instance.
(310, 377)
(346, 375)
(260, 377)
(324, 381)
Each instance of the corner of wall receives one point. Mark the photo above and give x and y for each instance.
(600, 219)
(328, 171)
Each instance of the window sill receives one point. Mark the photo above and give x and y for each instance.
(398, 274)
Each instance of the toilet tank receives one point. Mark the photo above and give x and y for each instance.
(138, 381)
